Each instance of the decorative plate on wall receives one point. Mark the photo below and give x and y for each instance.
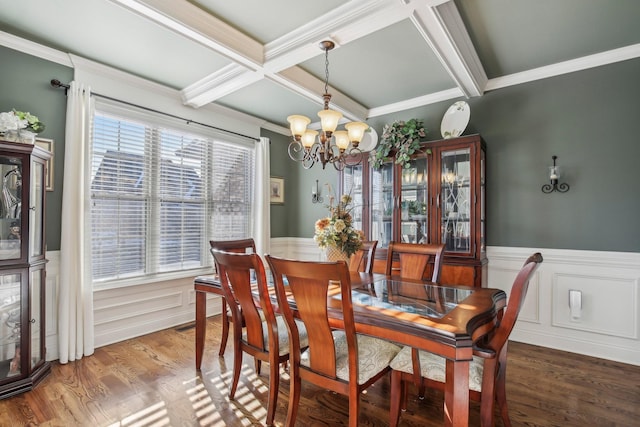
(369, 140)
(455, 120)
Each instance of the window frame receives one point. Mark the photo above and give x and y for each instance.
(153, 122)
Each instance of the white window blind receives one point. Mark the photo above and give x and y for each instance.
(160, 192)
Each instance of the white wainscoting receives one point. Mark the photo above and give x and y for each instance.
(608, 326)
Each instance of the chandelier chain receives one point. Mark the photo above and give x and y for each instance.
(326, 71)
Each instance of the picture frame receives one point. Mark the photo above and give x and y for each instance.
(47, 144)
(276, 190)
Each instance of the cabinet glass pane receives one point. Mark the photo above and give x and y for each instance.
(382, 204)
(456, 200)
(35, 209)
(352, 184)
(36, 321)
(11, 207)
(10, 315)
(414, 196)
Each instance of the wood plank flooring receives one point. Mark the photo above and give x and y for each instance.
(151, 381)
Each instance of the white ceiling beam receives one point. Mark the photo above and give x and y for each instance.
(443, 29)
(223, 82)
(349, 22)
(192, 22)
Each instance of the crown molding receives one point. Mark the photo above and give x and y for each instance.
(416, 102)
(34, 49)
(571, 66)
(276, 128)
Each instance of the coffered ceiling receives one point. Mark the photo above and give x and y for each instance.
(261, 57)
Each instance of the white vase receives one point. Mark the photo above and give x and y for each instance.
(20, 135)
(27, 137)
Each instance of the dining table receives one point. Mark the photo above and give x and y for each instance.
(439, 318)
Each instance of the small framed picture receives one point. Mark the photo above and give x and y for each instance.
(47, 144)
(276, 190)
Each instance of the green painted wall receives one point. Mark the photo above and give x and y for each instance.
(587, 119)
(25, 87)
(296, 218)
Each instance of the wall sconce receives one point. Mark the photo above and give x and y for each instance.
(554, 176)
(315, 193)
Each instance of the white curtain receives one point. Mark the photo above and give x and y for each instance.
(262, 217)
(75, 294)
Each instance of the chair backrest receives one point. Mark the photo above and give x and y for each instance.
(238, 246)
(500, 335)
(362, 260)
(235, 270)
(414, 258)
(241, 245)
(309, 284)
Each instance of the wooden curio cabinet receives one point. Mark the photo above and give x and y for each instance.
(440, 198)
(22, 267)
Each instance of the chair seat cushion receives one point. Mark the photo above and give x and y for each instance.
(283, 335)
(433, 367)
(374, 355)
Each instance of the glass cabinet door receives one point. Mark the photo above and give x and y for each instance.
(36, 199)
(37, 333)
(10, 318)
(352, 183)
(455, 200)
(383, 204)
(10, 207)
(414, 196)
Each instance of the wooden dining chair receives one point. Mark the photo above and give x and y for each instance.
(362, 260)
(265, 333)
(487, 370)
(338, 360)
(239, 246)
(414, 260)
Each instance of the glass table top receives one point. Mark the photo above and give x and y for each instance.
(411, 297)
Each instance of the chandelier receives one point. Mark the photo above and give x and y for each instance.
(308, 150)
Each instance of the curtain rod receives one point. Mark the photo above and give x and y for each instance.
(58, 84)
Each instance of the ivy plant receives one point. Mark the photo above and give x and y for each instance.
(400, 137)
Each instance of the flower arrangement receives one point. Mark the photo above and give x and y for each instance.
(17, 120)
(403, 137)
(337, 229)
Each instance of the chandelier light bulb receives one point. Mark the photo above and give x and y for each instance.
(309, 137)
(342, 139)
(356, 132)
(329, 120)
(298, 125)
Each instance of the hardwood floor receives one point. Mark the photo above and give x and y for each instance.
(151, 381)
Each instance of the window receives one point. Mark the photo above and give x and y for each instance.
(160, 190)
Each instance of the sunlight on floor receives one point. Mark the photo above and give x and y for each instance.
(152, 416)
(247, 406)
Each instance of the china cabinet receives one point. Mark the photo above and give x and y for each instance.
(440, 198)
(22, 267)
